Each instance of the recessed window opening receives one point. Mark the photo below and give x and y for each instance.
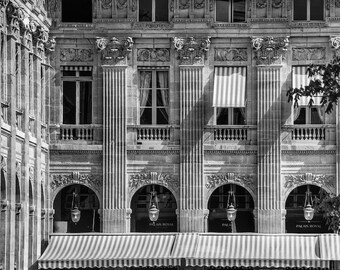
(153, 10)
(76, 11)
(308, 10)
(230, 10)
(309, 115)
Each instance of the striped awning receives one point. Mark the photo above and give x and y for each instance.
(108, 250)
(229, 87)
(330, 247)
(254, 250)
(301, 79)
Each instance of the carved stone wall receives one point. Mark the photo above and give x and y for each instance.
(300, 54)
(230, 54)
(153, 55)
(76, 55)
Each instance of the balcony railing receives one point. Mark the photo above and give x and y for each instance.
(153, 133)
(232, 133)
(311, 132)
(78, 132)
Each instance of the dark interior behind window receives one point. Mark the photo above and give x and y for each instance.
(316, 10)
(145, 10)
(76, 11)
(239, 12)
(69, 102)
(162, 10)
(300, 10)
(222, 13)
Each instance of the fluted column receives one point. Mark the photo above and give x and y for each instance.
(269, 53)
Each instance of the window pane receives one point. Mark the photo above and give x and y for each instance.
(162, 79)
(85, 110)
(86, 73)
(69, 102)
(316, 10)
(162, 10)
(72, 13)
(222, 11)
(145, 79)
(69, 73)
(239, 116)
(300, 9)
(239, 11)
(145, 10)
(162, 116)
(222, 116)
(162, 98)
(315, 117)
(301, 118)
(146, 116)
(145, 98)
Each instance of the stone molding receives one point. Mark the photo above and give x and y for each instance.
(230, 54)
(153, 55)
(191, 50)
(231, 152)
(308, 152)
(270, 50)
(3, 164)
(217, 180)
(321, 180)
(62, 180)
(152, 25)
(303, 54)
(153, 152)
(114, 50)
(76, 55)
(139, 180)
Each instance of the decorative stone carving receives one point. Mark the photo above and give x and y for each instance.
(114, 50)
(293, 181)
(211, 5)
(121, 4)
(335, 42)
(42, 176)
(50, 45)
(172, 5)
(198, 4)
(337, 3)
(309, 54)
(278, 3)
(146, 178)
(3, 164)
(4, 205)
(215, 181)
(261, 3)
(51, 6)
(3, 3)
(133, 5)
(230, 54)
(106, 4)
(184, 4)
(191, 50)
(153, 55)
(62, 180)
(153, 25)
(270, 50)
(76, 55)
(18, 169)
(31, 173)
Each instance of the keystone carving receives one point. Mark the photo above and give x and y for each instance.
(270, 50)
(76, 55)
(62, 180)
(153, 55)
(230, 54)
(147, 178)
(215, 181)
(191, 50)
(309, 54)
(293, 181)
(3, 164)
(184, 4)
(114, 50)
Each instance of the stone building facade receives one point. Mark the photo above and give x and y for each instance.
(129, 96)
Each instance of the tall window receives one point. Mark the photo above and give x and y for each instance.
(230, 116)
(77, 95)
(153, 10)
(309, 115)
(230, 10)
(154, 97)
(76, 11)
(308, 10)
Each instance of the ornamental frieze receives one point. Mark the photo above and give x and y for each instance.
(146, 178)
(191, 50)
(121, 4)
(62, 180)
(76, 55)
(152, 25)
(199, 4)
(309, 54)
(114, 50)
(216, 180)
(184, 4)
(278, 3)
(106, 4)
(293, 181)
(270, 50)
(230, 54)
(153, 55)
(261, 3)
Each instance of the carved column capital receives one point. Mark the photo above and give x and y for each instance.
(270, 50)
(50, 44)
(191, 50)
(335, 42)
(114, 50)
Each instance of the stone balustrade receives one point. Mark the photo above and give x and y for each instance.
(78, 132)
(154, 133)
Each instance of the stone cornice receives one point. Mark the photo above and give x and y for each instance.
(308, 152)
(191, 50)
(153, 152)
(231, 152)
(270, 50)
(114, 50)
(75, 152)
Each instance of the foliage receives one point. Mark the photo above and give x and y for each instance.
(325, 83)
(329, 206)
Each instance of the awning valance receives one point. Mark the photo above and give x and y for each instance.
(255, 250)
(330, 246)
(229, 87)
(108, 250)
(301, 79)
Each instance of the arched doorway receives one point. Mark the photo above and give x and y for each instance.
(85, 200)
(167, 221)
(217, 205)
(295, 220)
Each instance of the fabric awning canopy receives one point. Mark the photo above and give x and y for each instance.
(254, 250)
(330, 246)
(300, 79)
(108, 250)
(229, 87)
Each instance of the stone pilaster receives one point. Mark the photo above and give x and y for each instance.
(269, 54)
(114, 54)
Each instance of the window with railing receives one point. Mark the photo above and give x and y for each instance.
(230, 11)
(308, 10)
(153, 10)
